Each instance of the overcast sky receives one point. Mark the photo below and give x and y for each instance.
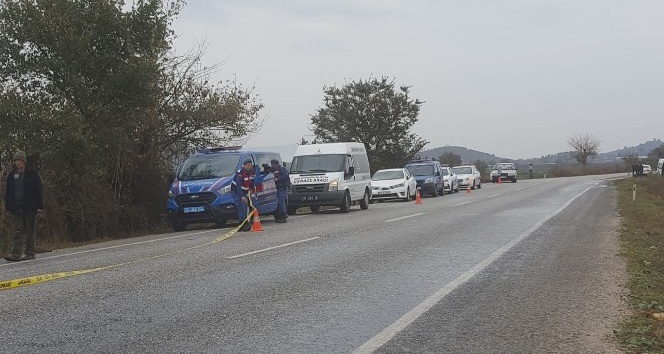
(515, 78)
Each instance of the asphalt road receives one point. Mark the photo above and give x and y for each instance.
(529, 267)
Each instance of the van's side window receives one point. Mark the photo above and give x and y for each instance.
(349, 163)
(265, 161)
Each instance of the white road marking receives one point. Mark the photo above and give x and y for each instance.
(404, 217)
(495, 195)
(518, 189)
(470, 201)
(272, 248)
(388, 333)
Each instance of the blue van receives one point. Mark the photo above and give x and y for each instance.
(201, 191)
(428, 175)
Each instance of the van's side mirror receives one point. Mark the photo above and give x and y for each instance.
(437, 174)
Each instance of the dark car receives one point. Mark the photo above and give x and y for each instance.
(428, 175)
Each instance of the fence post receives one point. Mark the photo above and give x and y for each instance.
(634, 192)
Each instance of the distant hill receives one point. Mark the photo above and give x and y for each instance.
(467, 155)
(565, 157)
(639, 150)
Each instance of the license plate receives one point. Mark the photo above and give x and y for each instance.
(196, 209)
(309, 198)
(384, 192)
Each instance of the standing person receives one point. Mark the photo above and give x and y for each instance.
(24, 196)
(530, 171)
(241, 187)
(282, 181)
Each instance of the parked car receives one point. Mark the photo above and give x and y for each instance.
(469, 176)
(395, 183)
(646, 169)
(428, 175)
(450, 180)
(504, 171)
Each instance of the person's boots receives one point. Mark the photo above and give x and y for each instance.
(281, 217)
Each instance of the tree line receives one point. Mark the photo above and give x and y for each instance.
(95, 94)
(105, 109)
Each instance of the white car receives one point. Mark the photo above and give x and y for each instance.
(647, 169)
(450, 180)
(395, 183)
(469, 176)
(504, 171)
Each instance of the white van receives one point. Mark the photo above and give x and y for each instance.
(333, 174)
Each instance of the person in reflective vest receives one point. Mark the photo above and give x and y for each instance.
(241, 188)
(282, 180)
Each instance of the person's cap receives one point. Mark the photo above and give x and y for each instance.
(20, 155)
(275, 162)
(247, 161)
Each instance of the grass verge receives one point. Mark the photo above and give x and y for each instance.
(642, 244)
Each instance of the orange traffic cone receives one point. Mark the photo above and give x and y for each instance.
(500, 180)
(418, 198)
(256, 226)
(468, 189)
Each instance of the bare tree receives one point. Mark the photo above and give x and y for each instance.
(584, 146)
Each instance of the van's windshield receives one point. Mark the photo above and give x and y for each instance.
(208, 166)
(420, 170)
(318, 163)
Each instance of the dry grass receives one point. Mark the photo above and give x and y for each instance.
(642, 238)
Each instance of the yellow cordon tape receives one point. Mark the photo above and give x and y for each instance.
(16, 283)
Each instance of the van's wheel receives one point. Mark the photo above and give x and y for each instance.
(291, 210)
(315, 209)
(435, 192)
(364, 202)
(479, 186)
(179, 226)
(345, 205)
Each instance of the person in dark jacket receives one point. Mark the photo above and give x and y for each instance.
(282, 181)
(24, 196)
